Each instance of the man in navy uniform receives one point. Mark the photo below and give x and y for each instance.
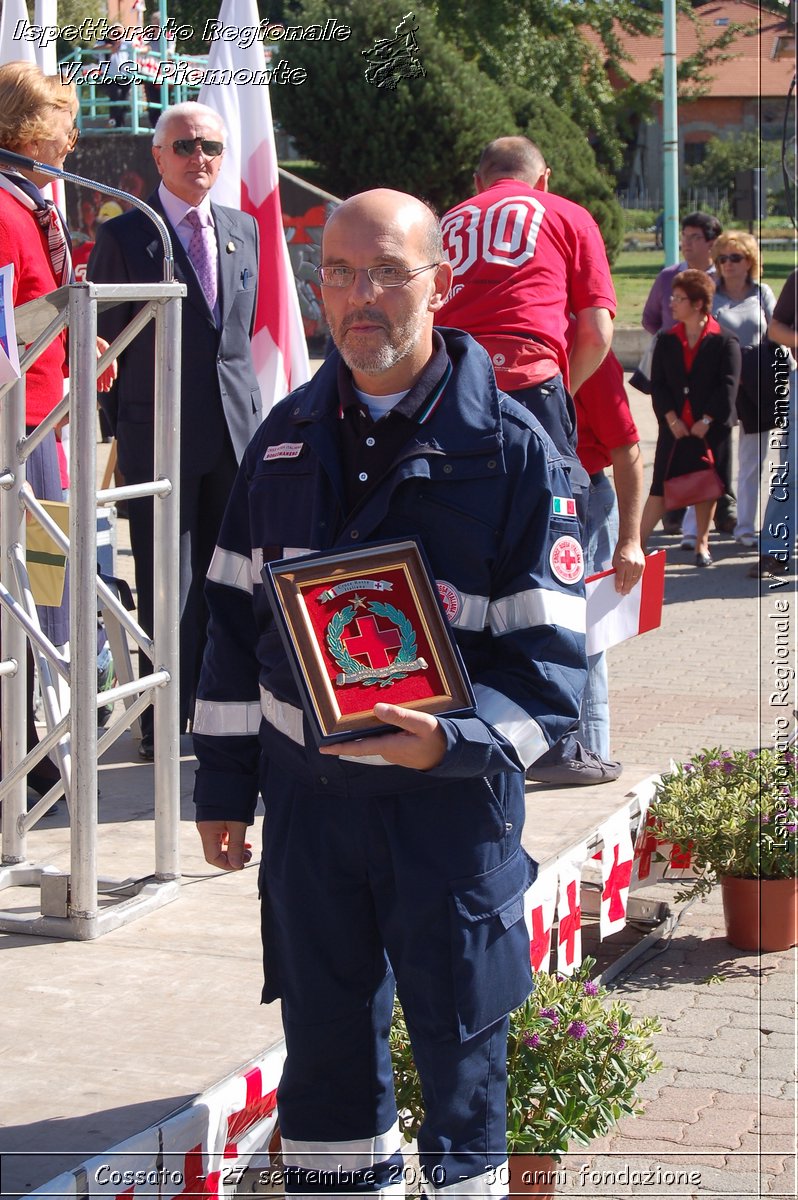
(394, 862)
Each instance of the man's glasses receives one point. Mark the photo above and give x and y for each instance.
(735, 258)
(185, 147)
(383, 277)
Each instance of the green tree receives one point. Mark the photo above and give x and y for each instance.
(574, 171)
(542, 45)
(423, 137)
(725, 156)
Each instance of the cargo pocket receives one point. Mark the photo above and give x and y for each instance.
(490, 943)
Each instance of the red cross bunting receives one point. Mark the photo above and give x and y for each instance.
(645, 848)
(619, 878)
(681, 856)
(571, 923)
(540, 945)
(372, 643)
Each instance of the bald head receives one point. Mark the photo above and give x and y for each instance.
(512, 158)
(383, 329)
(382, 208)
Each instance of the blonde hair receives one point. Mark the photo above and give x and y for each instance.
(735, 241)
(27, 98)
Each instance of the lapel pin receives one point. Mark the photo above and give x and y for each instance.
(231, 246)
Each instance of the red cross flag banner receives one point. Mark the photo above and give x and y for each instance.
(540, 902)
(249, 180)
(612, 618)
(569, 910)
(617, 855)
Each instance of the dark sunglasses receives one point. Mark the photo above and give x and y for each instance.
(185, 147)
(735, 258)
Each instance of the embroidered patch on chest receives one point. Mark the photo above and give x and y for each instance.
(450, 598)
(284, 450)
(566, 560)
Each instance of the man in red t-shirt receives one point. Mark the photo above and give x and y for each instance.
(524, 261)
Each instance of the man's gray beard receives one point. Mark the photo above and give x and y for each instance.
(403, 340)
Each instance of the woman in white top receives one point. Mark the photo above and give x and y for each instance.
(744, 307)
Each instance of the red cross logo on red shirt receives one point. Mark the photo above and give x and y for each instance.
(372, 643)
(619, 878)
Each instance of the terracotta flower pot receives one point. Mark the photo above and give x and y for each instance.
(532, 1175)
(761, 914)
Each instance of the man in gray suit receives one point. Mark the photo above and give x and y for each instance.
(216, 256)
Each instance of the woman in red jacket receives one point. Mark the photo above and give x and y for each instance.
(37, 119)
(694, 376)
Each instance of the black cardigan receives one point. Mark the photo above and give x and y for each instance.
(711, 384)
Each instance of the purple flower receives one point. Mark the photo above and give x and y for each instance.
(764, 819)
(688, 767)
(578, 1030)
(792, 827)
(753, 754)
(621, 1042)
(613, 1028)
(729, 768)
(726, 754)
(531, 1039)
(590, 987)
(551, 1014)
(714, 762)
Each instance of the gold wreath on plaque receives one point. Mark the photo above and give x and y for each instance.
(404, 642)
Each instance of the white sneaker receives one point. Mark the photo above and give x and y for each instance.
(749, 540)
(688, 543)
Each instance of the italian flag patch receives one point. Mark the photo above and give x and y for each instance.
(563, 506)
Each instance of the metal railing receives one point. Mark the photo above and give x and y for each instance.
(70, 902)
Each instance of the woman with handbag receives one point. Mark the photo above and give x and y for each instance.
(695, 372)
(743, 306)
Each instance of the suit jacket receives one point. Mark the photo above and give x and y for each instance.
(219, 388)
(711, 384)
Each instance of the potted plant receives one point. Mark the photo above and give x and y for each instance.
(574, 1063)
(736, 811)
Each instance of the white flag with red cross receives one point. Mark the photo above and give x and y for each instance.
(540, 903)
(617, 856)
(249, 180)
(569, 910)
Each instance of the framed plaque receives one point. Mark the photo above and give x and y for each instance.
(361, 626)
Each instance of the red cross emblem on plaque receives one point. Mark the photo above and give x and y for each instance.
(372, 643)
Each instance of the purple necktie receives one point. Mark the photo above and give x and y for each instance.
(202, 257)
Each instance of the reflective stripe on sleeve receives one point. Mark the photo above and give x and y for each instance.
(537, 606)
(512, 722)
(235, 718)
(231, 569)
(473, 615)
(287, 719)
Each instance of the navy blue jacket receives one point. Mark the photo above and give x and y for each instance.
(478, 485)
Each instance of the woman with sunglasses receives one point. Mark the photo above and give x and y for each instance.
(694, 376)
(743, 306)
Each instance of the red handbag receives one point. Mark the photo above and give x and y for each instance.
(683, 490)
